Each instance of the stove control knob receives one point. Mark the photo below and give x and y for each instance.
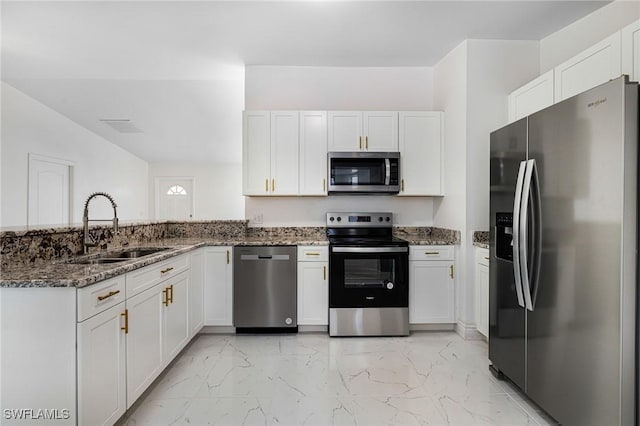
(380, 219)
(388, 219)
(331, 219)
(339, 219)
(389, 285)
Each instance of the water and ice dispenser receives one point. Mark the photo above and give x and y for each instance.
(504, 236)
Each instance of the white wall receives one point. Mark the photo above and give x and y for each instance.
(30, 127)
(335, 88)
(326, 88)
(218, 188)
(311, 211)
(471, 86)
(572, 39)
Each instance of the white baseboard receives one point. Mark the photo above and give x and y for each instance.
(313, 329)
(468, 331)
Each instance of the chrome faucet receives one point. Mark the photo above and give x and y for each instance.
(88, 241)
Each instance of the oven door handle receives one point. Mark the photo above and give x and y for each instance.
(369, 249)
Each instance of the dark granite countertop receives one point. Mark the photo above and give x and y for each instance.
(62, 273)
(481, 239)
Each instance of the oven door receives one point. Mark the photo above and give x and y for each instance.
(361, 277)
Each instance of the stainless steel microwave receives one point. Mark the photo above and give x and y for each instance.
(364, 172)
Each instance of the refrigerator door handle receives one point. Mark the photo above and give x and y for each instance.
(527, 196)
(537, 234)
(517, 201)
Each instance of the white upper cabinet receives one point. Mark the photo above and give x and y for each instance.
(284, 153)
(345, 131)
(595, 65)
(256, 152)
(313, 153)
(380, 131)
(421, 143)
(631, 51)
(375, 131)
(270, 153)
(532, 97)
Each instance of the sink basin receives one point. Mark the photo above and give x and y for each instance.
(118, 256)
(132, 253)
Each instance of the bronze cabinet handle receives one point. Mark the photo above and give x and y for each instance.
(273, 185)
(324, 273)
(360, 142)
(402, 185)
(366, 142)
(164, 271)
(324, 185)
(451, 271)
(431, 253)
(228, 257)
(108, 295)
(266, 185)
(125, 314)
(165, 296)
(170, 296)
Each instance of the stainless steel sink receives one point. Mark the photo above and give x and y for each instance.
(132, 253)
(118, 256)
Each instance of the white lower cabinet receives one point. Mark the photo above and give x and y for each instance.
(431, 285)
(218, 286)
(102, 396)
(482, 291)
(196, 292)
(313, 285)
(175, 316)
(144, 341)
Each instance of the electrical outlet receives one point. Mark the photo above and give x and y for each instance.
(257, 218)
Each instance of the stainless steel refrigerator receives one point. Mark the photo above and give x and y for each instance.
(563, 255)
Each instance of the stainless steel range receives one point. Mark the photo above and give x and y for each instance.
(368, 276)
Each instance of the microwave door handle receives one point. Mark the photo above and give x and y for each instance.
(387, 166)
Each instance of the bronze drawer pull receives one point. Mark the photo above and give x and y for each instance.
(164, 271)
(108, 295)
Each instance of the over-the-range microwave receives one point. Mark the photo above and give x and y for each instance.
(364, 172)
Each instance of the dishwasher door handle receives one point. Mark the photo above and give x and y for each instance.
(264, 257)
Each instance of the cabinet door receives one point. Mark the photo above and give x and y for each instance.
(313, 293)
(631, 51)
(144, 341)
(431, 292)
(102, 396)
(345, 131)
(313, 153)
(218, 286)
(284, 152)
(380, 130)
(482, 291)
(175, 325)
(596, 65)
(256, 152)
(421, 153)
(196, 292)
(532, 97)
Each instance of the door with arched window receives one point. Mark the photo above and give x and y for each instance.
(175, 198)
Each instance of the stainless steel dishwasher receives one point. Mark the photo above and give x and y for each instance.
(265, 289)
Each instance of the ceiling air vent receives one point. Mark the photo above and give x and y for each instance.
(121, 125)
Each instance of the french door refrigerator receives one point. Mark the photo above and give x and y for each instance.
(563, 255)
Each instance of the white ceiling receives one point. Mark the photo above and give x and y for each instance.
(176, 68)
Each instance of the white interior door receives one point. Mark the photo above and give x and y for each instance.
(174, 198)
(49, 189)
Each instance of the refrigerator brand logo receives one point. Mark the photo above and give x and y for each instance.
(596, 103)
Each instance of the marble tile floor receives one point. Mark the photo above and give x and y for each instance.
(428, 378)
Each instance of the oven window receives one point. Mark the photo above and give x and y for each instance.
(368, 273)
(349, 172)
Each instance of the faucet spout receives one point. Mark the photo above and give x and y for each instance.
(88, 241)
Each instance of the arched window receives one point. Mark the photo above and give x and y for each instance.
(176, 190)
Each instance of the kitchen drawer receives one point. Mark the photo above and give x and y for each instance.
(313, 253)
(482, 256)
(430, 252)
(147, 277)
(99, 297)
